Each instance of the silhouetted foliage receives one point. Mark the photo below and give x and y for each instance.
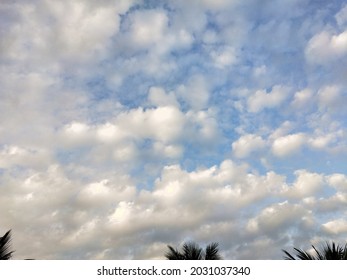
(5, 253)
(328, 252)
(192, 251)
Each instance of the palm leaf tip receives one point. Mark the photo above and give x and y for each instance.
(288, 255)
(344, 254)
(303, 255)
(5, 253)
(334, 252)
(329, 251)
(319, 255)
(212, 252)
(192, 251)
(173, 254)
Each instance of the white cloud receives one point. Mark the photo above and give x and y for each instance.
(261, 99)
(119, 138)
(39, 197)
(335, 227)
(229, 185)
(288, 145)
(339, 42)
(303, 98)
(162, 123)
(341, 16)
(230, 172)
(306, 184)
(328, 135)
(105, 193)
(166, 126)
(170, 151)
(148, 27)
(326, 46)
(63, 32)
(320, 142)
(158, 97)
(76, 128)
(115, 211)
(247, 144)
(330, 96)
(273, 218)
(260, 71)
(25, 93)
(260, 248)
(191, 16)
(338, 181)
(110, 133)
(224, 58)
(284, 129)
(77, 133)
(122, 213)
(82, 29)
(11, 156)
(202, 127)
(125, 152)
(195, 92)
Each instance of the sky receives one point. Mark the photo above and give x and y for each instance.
(127, 126)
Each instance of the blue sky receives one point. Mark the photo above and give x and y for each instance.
(129, 125)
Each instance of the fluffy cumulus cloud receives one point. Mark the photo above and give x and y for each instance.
(246, 144)
(262, 99)
(274, 217)
(306, 185)
(195, 93)
(338, 181)
(67, 31)
(288, 144)
(335, 227)
(149, 29)
(302, 98)
(126, 126)
(325, 46)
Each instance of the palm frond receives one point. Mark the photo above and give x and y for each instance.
(173, 254)
(329, 251)
(212, 252)
(192, 251)
(288, 255)
(319, 255)
(333, 251)
(5, 253)
(303, 255)
(344, 253)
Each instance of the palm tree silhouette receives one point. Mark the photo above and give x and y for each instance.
(192, 251)
(5, 253)
(329, 252)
